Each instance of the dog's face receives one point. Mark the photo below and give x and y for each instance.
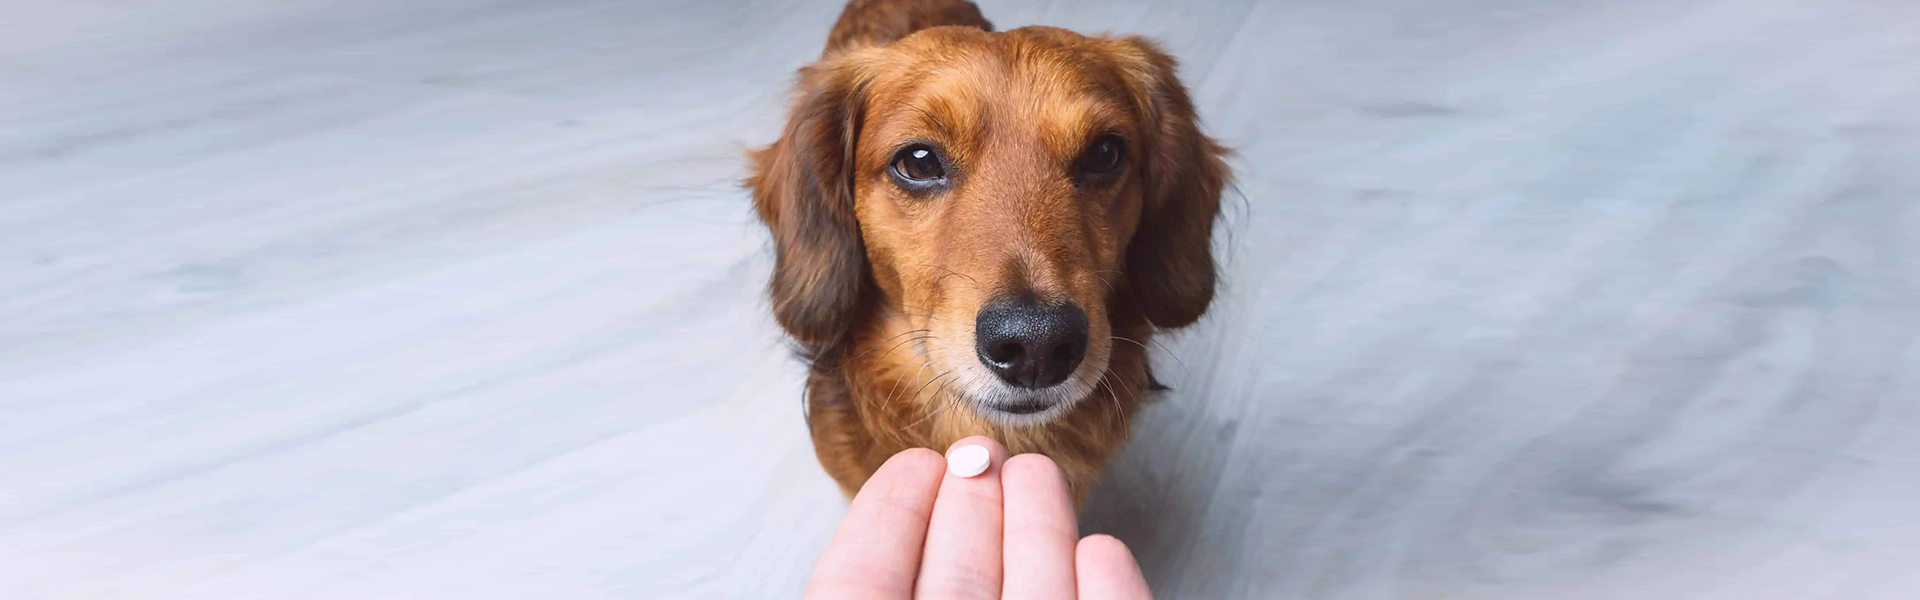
(1008, 195)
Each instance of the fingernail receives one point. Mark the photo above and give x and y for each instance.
(968, 461)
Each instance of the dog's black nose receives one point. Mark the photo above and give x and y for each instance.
(1028, 344)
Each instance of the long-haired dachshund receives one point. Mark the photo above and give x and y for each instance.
(977, 233)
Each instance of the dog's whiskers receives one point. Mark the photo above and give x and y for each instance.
(951, 273)
(889, 351)
(936, 396)
(1170, 354)
(898, 382)
(1125, 339)
(1086, 392)
(870, 350)
(1118, 410)
(1110, 287)
(1176, 357)
(923, 386)
(908, 307)
(1130, 391)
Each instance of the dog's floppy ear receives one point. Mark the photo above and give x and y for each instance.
(803, 189)
(1170, 269)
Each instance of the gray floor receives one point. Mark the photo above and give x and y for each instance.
(458, 299)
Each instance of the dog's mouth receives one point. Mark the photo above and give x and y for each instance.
(1025, 407)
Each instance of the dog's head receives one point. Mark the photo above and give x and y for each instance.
(1013, 194)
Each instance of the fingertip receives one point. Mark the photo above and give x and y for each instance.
(1033, 468)
(1105, 547)
(916, 460)
(917, 467)
(1106, 569)
(911, 477)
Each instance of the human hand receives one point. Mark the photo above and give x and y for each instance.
(917, 531)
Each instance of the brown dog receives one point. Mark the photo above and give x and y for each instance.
(977, 232)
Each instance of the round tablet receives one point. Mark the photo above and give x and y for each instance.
(968, 461)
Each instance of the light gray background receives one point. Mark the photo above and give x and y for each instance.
(459, 299)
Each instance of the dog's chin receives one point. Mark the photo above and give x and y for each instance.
(1008, 406)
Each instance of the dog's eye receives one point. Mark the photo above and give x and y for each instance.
(1102, 159)
(919, 164)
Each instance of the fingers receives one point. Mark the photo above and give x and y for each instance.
(962, 556)
(877, 550)
(1040, 530)
(1105, 569)
(915, 514)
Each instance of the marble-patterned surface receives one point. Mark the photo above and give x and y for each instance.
(459, 299)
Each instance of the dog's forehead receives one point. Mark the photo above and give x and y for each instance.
(1039, 61)
(961, 83)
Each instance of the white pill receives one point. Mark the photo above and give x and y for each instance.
(968, 461)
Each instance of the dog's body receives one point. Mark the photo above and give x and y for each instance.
(977, 232)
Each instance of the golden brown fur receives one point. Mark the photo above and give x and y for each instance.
(880, 22)
(879, 287)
